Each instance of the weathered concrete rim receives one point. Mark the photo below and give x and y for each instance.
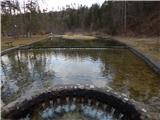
(18, 47)
(20, 107)
(10, 50)
(155, 66)
(29, 46)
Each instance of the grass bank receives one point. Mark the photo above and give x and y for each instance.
(76, 36)
(60, 42)
(9, 42)
(149, 46)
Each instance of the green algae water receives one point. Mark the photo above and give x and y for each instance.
(24, 72)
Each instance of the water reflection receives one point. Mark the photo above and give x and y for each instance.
(26, 71)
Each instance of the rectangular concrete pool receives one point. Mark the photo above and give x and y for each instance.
(26, 71)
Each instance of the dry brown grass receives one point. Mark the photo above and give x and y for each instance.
(149, 46)
(77, 36)
(20, 41)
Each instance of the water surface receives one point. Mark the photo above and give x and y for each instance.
(24, 72)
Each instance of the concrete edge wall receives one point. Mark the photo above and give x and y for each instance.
(9, 50)
(147, 60)
(21, 106)
(17, 47)
(29, 46)
(153, 65)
